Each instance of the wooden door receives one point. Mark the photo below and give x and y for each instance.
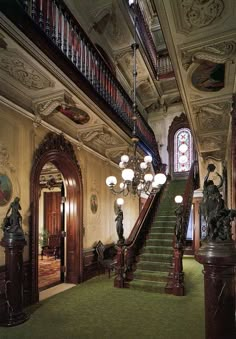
(52, 212)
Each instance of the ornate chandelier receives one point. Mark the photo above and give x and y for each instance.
(136, 173)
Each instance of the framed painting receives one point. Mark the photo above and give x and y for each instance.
(5, 189)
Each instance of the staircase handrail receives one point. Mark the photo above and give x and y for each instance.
(182, 218)
(57, 26)
(151, 202)
(188, 195)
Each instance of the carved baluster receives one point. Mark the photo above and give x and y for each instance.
(26, 5)
(64, 33)
(47, 25)
(41, 21)
(33, 10)
(69, 29)
(59, 27)
(81, 55)
(53, 10)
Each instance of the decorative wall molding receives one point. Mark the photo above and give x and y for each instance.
(199, 14)
(100, 134)
(212, 116)
(45, 105)
(22, 70)
(218, 53)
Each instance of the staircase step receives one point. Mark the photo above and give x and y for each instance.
(159, 242)
(157, 235)
(154, 266)
(158, 249)
(156, 257)
(148, 286)
(151, 275)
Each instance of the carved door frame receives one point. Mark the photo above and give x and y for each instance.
(57, 150)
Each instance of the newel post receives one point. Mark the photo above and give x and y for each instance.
(13, 241)
(120, 267)
(218, 256)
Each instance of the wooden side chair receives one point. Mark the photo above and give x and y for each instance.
(53, 247)
(108, 264)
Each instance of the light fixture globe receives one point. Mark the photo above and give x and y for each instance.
(111, 181)
(148, 159)
(124, 158)
(148, 177)
(178, 199)
(127, 174)
(160, 178)
(121, 164)
(120, 201)
(143, 165)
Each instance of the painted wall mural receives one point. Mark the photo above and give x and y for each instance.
(75, 114)
(5, 189)
(209, 77)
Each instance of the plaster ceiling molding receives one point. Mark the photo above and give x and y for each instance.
(4, 160)
(194, 14)
(3, 43)
(146, 91)
(210, 143)
(169, 85)
(213, 116)
(101, 19)
(218, 53)
(22, 70)
(115, 153)
(115, 30)
(215, 155)
(98, 137)
(46, 104)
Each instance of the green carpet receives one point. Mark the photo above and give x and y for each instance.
(154, 265)
(97, 310)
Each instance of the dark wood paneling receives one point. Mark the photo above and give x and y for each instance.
(52, 212)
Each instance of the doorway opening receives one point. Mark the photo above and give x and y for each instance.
(52, 228)
(58, 152)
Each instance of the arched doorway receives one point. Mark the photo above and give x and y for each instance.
(58, 151)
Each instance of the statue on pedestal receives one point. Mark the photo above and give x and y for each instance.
(218, 218)
(12, 223)
(119, 226)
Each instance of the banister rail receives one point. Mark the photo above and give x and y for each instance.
(55, 20)
(139, 232)
(182, 218)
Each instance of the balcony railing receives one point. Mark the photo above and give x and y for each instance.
(55, 19)
(164, 67)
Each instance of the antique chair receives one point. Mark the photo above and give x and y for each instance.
(53, 247)
(106, 258)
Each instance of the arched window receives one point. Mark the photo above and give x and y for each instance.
(182, 150)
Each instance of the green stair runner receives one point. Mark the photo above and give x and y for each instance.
(155, 261)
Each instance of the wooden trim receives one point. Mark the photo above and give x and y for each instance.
(54, 148)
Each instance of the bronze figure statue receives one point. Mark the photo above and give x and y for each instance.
(217, 217)
(119, 225)
(12, 223)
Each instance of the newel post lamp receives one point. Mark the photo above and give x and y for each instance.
(178, 288)
(120, 246)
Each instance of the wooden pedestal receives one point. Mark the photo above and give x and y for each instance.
(14, 314)
(219, 260)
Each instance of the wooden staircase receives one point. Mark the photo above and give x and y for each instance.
(154, 264)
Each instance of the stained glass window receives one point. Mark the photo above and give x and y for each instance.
(182, 150)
